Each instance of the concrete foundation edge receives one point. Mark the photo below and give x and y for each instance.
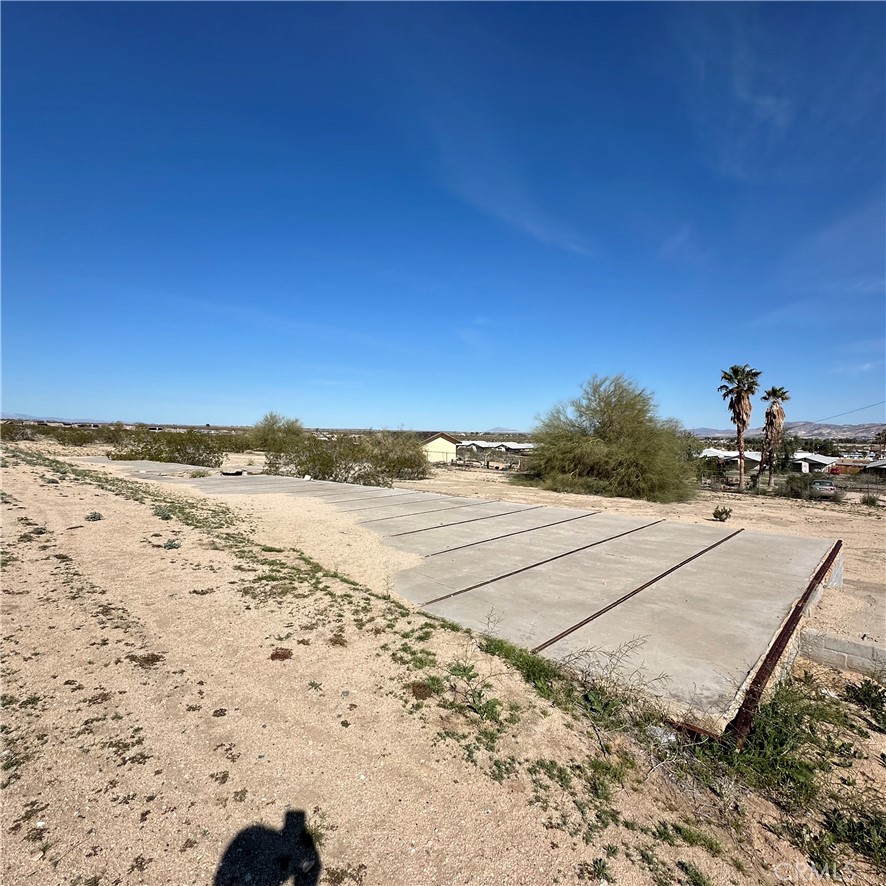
(842, 653)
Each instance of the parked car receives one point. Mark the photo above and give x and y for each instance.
(823, 488)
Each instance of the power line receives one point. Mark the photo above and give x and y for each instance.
(840, 414)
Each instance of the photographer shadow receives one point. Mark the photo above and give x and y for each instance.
(260, 856)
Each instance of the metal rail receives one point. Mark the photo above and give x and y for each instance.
(741, 723)
(633, 593)
(483, 541)
(418, 514)
(472, 520)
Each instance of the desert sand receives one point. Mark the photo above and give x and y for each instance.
(177, 671)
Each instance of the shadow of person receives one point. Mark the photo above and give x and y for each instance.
(259, 856)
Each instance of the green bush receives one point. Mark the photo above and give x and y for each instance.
(796, 486)
(722, 513)
(15, 432)
(113, 434)
(871, 500)
(274, 433)
(375, 459)
(239, 441)
(398, 456)
(609, 441)
(189, 447)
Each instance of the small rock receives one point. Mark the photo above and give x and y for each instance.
(661, 736)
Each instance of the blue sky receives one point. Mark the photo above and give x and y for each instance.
(439, 216)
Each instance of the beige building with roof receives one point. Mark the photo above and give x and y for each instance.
(440, 448)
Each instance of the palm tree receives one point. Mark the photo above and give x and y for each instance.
(773, 427)
(740, 383)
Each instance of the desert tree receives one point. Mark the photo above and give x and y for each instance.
(610, 441)
(773, 427)
(740, 383)
(274, 432)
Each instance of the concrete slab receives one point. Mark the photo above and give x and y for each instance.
(539, 603)
(707, 608)
(403, 501)
(473, 510)
(413, 508)
(466, 568)
(475, 533)
(708, 626)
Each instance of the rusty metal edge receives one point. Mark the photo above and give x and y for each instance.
(743, 720)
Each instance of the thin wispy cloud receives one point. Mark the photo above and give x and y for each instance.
(300, 330)
(684, 245)
(758, 110)
(478, 166)
(846, 257)
(856, 368)
(864, 346)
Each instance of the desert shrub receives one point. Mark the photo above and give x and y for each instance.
(707, 468)
(796, 486)
(74, 436)
(241, 441)
(398, 456)
(189, 447)
(722, 514)
(275, 433)
(113, 434)
(871, 500)
(15, 432)
(609, 441)
(337, 459)
(375, 459)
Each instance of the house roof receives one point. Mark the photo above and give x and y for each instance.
(712, 452)
(817, 459)
(880, 463)
(441, 435)
(498, 444)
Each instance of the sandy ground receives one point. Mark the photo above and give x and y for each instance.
(168, 685)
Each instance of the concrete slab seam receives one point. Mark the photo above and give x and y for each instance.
(472, 520)
(633, 593)
(483, 541)
(418, 513)
(542, 563)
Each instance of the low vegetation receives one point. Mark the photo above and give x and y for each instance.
(373, 459)
(275, 433)
(799, 754)
(609, 441)
(188, 447)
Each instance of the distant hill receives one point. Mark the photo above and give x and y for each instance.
(503, 431)
(805, 430)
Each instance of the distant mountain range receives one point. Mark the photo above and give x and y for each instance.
(21, 416)
(805, 430)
